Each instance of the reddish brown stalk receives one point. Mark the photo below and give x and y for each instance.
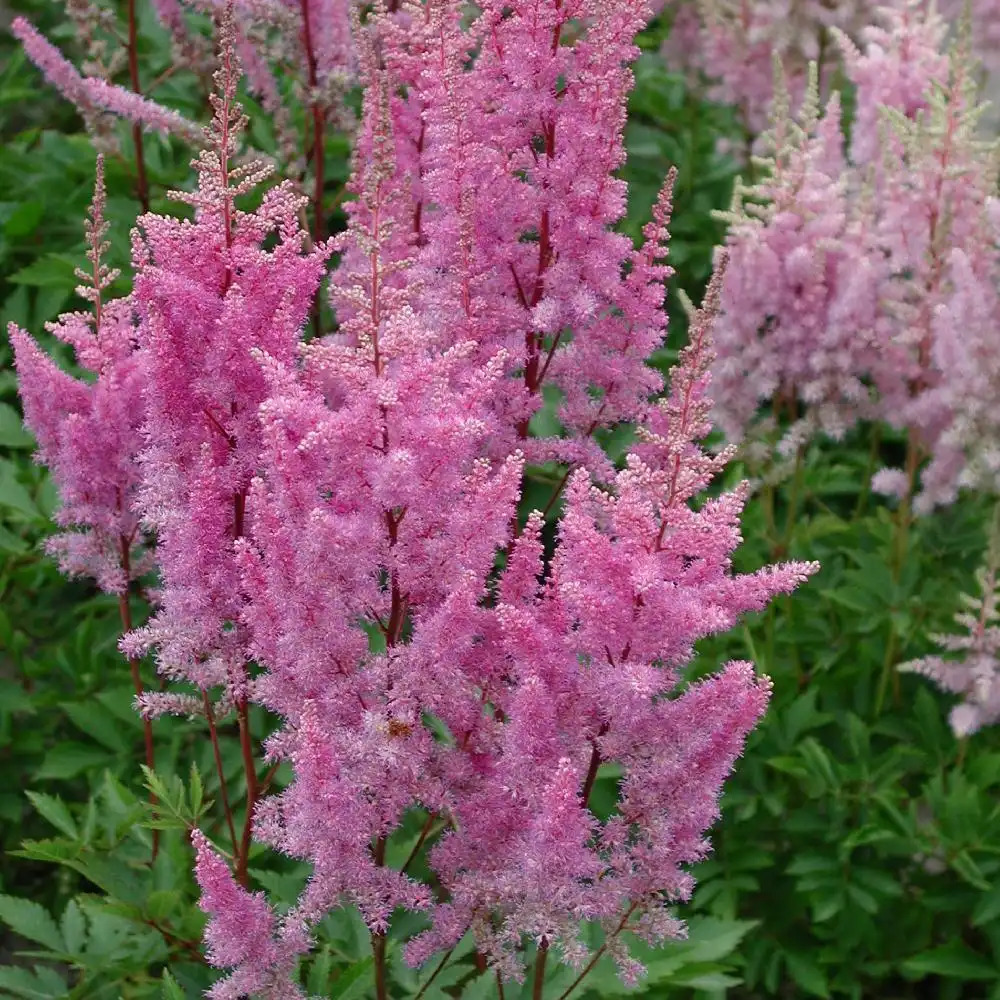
(125, 613)
(538, 985)
(217, 754)
(191, 948)
(597, 954)
(246, 746)
(431, 816)
(318, 126)
(595, 763)
(141, 181)
(378, 939)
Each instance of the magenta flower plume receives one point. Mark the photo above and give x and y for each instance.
(88, 430)
(208, 296)
(93, 95)
(241, 932)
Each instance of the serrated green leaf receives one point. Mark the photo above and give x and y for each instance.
(71, 758)
(52, 808)
(807, 974)
(96, 721)
(31, 920)
(954, 961)
(169, 987)
(987, 909)
(24, 983)
(14, 495)
(12, 432)
(50, 271)
(74, 928)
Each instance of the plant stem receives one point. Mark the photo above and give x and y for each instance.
(243, 856)
(223, 790)
(378, 938)
(434, 974)
(141, 181)
(539, 982)
(125, 613)
(900, 544)
(596, 957)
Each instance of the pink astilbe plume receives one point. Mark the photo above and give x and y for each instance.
(972, 670)
(388, 481)
(374, 505)
(207, 296)
(902, 56)
(801, 299)
(88, 429)
(92, 95)
(939, 243)
(241, 932)
(589, 663)
(865, 287)
(510, 167)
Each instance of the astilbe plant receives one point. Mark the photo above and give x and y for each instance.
(337, 527)
(801, 296)
(869, 262)
(89, 432)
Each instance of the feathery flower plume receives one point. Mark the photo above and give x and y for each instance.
(735, 43)
(973, 671)
(88, 430)
(92, 95)
(207, 295)
(802, 294)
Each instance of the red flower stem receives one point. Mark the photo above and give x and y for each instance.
(246, 746)
(538, 985)
(125, 613)
(378, 938)
(141, 181)
(217, 754)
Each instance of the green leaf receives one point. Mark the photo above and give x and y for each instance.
(807, 974)
(95, 720)
(953, 960)
(13, 494)
(32, 985)
(353, 981)
(169, 987)
(74, 928)
(51, 271)
(12, 433)
(52, 808)
(710, 940)
(23, 221)
(69, 759)
(970, 871)
(30, 920)
(987, 909)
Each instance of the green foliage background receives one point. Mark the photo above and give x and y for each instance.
(858, 850)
